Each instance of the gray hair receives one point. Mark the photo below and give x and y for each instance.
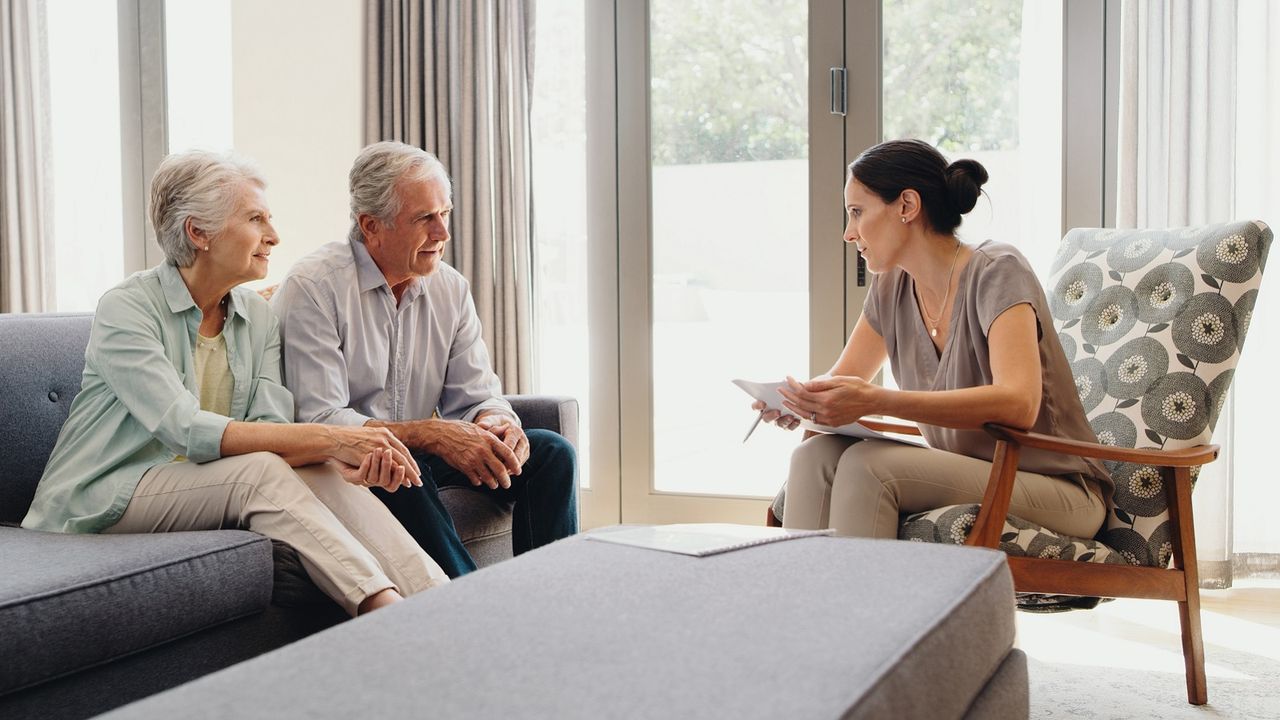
(374, 177)
(201, 186)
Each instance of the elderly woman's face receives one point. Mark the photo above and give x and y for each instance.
(240, 251)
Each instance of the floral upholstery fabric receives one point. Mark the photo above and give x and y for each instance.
(1152, 322)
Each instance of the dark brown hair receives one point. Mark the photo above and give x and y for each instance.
(946, 191)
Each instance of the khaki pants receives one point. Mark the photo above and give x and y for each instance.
(860, 487)
(349, 543)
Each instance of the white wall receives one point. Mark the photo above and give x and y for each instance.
(297, 78)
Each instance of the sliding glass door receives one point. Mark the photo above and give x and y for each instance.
(702, 241)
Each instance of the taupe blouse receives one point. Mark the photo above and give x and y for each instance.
(996, 278)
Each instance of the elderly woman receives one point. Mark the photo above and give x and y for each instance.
(183, 423)
(967, 332)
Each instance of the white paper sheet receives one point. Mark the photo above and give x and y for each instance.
(698, 539)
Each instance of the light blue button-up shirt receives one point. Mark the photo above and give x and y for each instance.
(351, 354)
(138, 404)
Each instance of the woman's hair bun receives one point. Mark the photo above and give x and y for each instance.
(965, 179)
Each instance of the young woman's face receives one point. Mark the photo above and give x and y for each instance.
(874, 226)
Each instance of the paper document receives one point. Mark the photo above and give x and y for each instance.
(768, 392)
(699, 539)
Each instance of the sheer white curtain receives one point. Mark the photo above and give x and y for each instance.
(26, 257)
(1257, 195)
(1198, 111)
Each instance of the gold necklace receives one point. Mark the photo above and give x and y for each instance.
(933, 323)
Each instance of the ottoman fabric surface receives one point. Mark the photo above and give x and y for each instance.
(69, 602)
(859, 629)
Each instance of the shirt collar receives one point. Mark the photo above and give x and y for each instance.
(175, 290)
(178, 296)
(371, 277)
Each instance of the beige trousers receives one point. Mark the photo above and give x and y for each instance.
(349, 543)
(860, 487)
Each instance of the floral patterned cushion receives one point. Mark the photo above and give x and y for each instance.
(1152, 322)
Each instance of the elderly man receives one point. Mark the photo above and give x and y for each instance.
(378, 330)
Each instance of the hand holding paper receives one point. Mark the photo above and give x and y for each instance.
(769, 394)
(832, 401)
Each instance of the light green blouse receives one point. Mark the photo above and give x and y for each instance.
(138, 405)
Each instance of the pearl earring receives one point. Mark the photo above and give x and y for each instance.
(206, 247)
(904, 222)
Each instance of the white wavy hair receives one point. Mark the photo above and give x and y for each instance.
(199, 185)
(374, 177)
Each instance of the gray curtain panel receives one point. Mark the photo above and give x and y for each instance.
(26, 252)
(1176, 150)
(455, 77)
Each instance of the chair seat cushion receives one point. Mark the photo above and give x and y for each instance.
(1020, 538)
(69, 602)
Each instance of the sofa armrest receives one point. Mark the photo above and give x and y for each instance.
(548, 412)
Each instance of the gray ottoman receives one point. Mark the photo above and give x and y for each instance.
(811, 628)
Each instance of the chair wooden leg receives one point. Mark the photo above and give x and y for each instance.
(771, 520)
(1184, 559)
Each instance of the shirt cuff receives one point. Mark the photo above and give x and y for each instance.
(494, 406)
(342, 416)
(205, 441)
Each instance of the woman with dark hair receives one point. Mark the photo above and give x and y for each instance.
(967, 332)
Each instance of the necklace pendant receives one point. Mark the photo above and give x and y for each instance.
(933, 332)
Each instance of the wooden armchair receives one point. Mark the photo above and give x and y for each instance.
(1153, 359)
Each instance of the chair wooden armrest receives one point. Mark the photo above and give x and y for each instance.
(1009, 443)
(1185, 457)
(890, 427)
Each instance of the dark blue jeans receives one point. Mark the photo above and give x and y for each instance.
(545, 497)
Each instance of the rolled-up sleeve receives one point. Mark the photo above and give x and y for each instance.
(470, 385)
(314, 367)
(128, 352)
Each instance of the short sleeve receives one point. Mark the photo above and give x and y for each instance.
(1005, 282)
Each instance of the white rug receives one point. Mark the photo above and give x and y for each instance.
(1079, 691)
(1124, 660)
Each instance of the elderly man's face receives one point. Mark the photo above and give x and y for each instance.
(413, 246)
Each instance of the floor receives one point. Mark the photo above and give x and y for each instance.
(1124, 659)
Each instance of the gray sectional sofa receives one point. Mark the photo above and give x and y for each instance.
(91, 622)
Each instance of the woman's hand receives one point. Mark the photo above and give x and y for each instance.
(777, 417)
(378, 469)
(832, 401)
(374, 457)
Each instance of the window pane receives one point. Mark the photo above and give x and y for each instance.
(198, 74)
(730, 235)
(84, 118)
(560, 196)
(985, 82)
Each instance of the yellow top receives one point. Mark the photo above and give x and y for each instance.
(213, 374)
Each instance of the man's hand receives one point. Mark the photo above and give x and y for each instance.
(376, 456)
(474, 451)
(511, 434)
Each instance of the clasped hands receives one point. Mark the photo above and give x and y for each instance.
(372, 457)
(832, 401)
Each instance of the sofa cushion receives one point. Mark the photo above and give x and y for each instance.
(69, 602)
(43, 362)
